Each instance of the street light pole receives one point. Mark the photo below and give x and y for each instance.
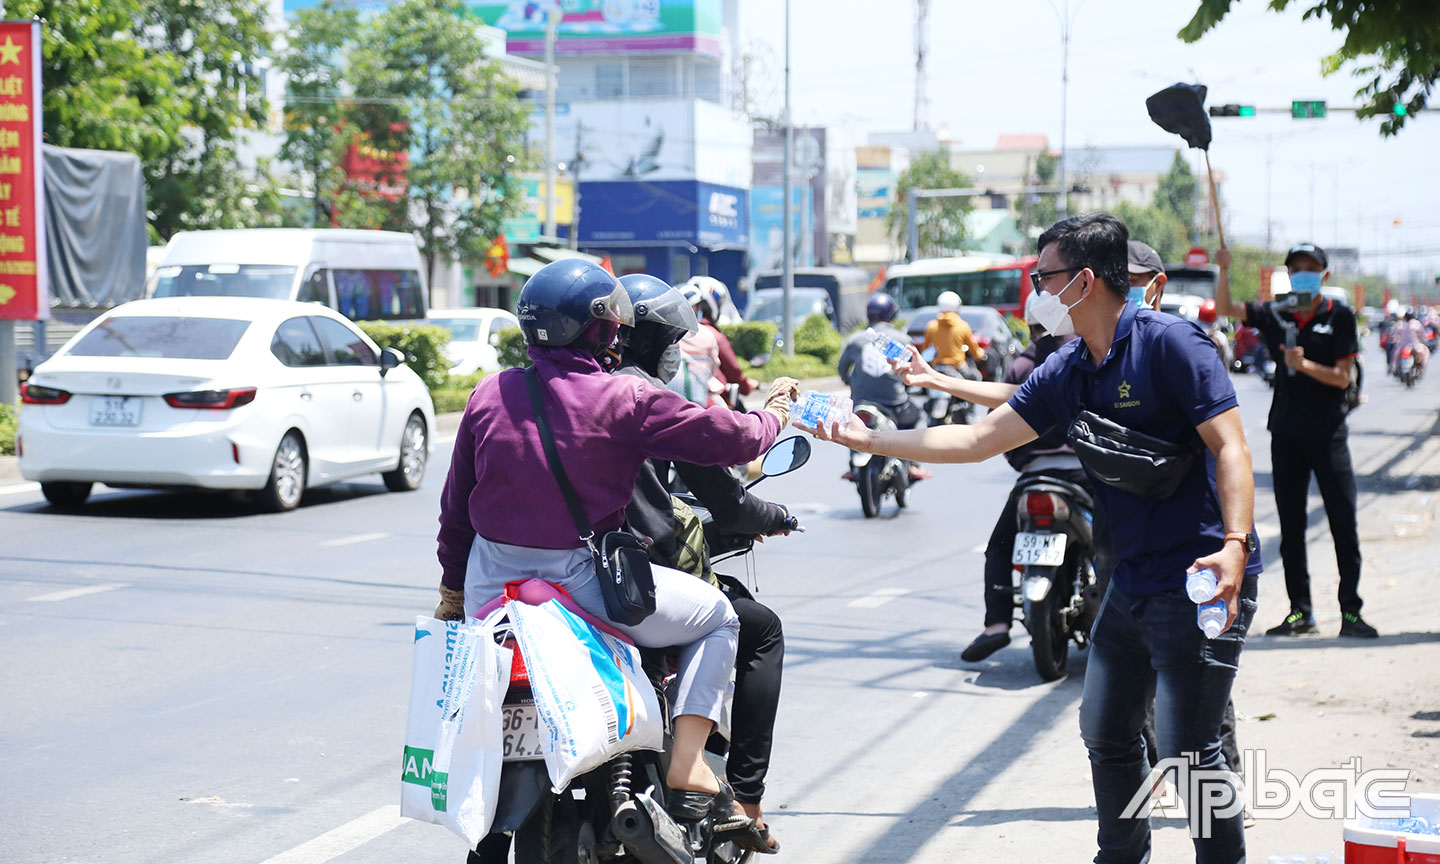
(550, 123)
(787, 267)
(1066, 20)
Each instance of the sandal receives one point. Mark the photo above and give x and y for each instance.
(689, 806)
(752, 838)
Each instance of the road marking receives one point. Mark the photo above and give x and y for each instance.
(17, 488)
(352, 835)
(877, 598)
(72, 593)
(355, 538)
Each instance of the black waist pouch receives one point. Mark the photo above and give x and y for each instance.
(627, 583)
(1128, 460)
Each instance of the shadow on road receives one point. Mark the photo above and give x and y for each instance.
(191, 504)
(1307, 643)
(979, 818)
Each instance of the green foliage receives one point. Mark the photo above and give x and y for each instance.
(1392, 46)
(941, 220)
(424, 86)
(751, 338)
(422, 344)
(818, 338)
(511, 349)
(9, 421)
(1178, 193)
(1040, 211)
(800, 366)
(455, 394)
(1019, 328)
(1157, 227)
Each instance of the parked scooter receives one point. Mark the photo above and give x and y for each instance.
(1059, 591)
(878, 477)
(617, 812)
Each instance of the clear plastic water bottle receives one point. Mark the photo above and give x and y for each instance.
(893, 349)
(1210, 614)
(1201, 586)
(815, 410)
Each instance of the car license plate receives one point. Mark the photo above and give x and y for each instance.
(1040, 550)
(521, 725)
(115, 411)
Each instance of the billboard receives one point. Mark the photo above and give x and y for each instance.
(807, 170)
(663, 213)
(23, 296)
(609, 26)
(528, 226)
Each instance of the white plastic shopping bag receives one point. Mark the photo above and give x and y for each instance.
(453, 736)
(592, 695)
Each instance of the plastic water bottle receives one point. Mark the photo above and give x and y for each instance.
(1210, 614)
(816, 410)
(893, 349)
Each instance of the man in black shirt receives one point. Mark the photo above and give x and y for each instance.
(1314, 342)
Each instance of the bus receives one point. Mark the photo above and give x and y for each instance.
(999, 281)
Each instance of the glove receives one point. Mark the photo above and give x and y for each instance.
(777, 402)
(451, 606)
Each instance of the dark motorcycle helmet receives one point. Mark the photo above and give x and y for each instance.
(573, 302)
(880, 307)
(662, 318)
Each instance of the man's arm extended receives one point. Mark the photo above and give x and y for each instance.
(1223, 304)
(1224, 435)
(991, 394)
(1000, 431)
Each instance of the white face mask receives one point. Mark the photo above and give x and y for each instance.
(1051, 312)
(670, 360)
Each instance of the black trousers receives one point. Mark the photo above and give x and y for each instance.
(1292, 461)
(999, 572)
(759, 661)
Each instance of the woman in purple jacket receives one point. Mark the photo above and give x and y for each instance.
(503, 518)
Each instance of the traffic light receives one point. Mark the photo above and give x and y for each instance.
(1232, 110)
(1307, 110)
(1401, 109)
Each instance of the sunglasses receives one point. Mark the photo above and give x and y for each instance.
(1041, 276)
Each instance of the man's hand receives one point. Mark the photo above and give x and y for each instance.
(1222, 257)
(1229, 567)
(752, 384)
(915, 372)
(451, 606)
(853, 433)
(783, 391)
(1295, 357)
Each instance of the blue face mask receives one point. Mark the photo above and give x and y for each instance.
(1305, 282)
(1137, 293)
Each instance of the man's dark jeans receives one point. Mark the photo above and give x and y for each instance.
(1144, 646)
(1292, 461)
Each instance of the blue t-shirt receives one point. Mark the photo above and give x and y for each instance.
(1163, 377)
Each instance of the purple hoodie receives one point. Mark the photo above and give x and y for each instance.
(500, 485)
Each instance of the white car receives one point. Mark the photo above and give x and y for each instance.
(474, 336)
(222, 393)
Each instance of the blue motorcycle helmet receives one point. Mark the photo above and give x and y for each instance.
(572, 302)
(880, 308)
(662, 317)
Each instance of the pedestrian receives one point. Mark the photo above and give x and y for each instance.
(1308, 433)
(1160, 376)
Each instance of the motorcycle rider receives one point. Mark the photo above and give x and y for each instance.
(651, 353)
(1408, 333)
(957, 352)
(502, 517)
(708, 344)
(871, 379)
(1048, 455)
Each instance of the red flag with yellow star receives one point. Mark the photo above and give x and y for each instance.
(22, 228)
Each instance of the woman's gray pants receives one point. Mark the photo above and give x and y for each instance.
(690, 614)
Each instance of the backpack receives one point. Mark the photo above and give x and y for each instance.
(690, 556)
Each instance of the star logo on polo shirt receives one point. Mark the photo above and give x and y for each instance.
(1124, 389)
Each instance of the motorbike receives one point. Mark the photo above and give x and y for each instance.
(878, 477)
(1059, 593)
(1406, 369)
(617, 812)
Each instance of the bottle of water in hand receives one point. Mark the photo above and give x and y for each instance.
(893, 349)
(1211, 611)
(817, 410)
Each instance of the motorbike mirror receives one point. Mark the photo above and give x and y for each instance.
(759, 360)
(785, 456)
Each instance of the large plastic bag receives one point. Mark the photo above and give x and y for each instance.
(592, 695)
(453, 735)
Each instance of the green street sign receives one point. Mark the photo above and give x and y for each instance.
(1307, 110)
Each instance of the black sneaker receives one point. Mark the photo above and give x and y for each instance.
(1351, 624)
(1295, 624)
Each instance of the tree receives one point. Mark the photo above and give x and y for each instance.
(941, 221)
(1177, 193)
(424, 87)
(1157, 227)
(1392, 45)
(1040, 210)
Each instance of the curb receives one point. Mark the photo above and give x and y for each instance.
(10, 470)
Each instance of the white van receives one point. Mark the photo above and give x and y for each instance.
(363, 275)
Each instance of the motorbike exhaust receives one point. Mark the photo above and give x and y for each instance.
(648, 832)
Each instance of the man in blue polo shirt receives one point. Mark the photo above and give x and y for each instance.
(1161, 376)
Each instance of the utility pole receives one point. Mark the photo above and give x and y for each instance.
(1066, 21)
(575, 165)
(550, 15)
(787, 267)
(1269, 226)
(922, 44)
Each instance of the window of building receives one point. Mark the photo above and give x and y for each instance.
(679, 267)
(609, 80)
(651, 77)
(706, 79)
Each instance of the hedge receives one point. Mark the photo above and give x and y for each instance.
(819, 338)
(512, 348)
(422, 344)
(9, 421)
(455, 395)
(800, 366)
(751, 338)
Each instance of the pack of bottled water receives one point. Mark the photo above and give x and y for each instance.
(817, 410)
(1210, 614)
(893, 349)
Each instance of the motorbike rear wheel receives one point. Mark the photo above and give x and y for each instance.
(1049, 641)
(551, 835)
(872, 491)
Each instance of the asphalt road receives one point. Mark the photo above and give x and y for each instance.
(188, 681)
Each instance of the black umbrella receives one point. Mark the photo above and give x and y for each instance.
(1180, 109)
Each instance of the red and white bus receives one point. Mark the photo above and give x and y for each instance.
(999, 281)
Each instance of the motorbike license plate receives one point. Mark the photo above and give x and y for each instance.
(115, 411)
(521, 725)
(1040, 550)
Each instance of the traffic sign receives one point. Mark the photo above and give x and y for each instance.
(1197, 257)
(1307, 110)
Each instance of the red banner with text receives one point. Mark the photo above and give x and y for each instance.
(22, 171)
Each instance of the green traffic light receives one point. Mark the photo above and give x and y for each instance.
(1247, 110)
(1401, 110)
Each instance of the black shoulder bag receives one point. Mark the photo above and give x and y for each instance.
(621, 562)
(1131, 461)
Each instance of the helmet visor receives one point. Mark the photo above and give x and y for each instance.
(615, 307)
(670, 309)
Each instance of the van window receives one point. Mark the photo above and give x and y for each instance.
(977, 288)
(295, 344)
(345, 345)
(316, 289)
(224, 280)
(379, 294)
(175, 338)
